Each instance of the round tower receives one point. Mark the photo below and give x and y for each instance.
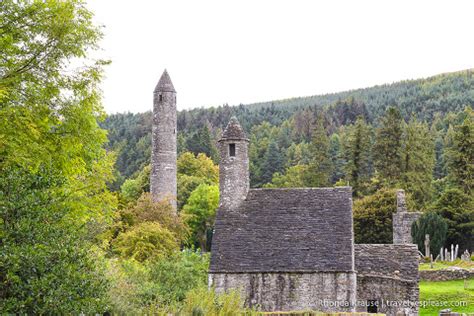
(234, 182)
(163, 155)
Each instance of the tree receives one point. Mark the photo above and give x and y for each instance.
(200, 211)
(320, 166)
(337, 157)
(357, 152)
(373, 218)
(273, 162)
(53, 167)
(461, 153)
(418, 158)
(457, 209)
(147, 240)
(202, 142)
(193, 171)
(388, 146)
(434, 225)
(293, 178)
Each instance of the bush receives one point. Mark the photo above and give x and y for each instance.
(156, 286)
(146, 241)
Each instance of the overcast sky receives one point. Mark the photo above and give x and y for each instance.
(235, 52)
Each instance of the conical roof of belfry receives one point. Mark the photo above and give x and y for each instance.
(234, 131)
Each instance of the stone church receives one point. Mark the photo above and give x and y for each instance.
(289, 249)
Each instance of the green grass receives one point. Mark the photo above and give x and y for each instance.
(443, 265)
(449, 293)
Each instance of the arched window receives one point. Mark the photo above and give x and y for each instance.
(161, 97)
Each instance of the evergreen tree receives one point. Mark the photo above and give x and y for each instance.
(320, 166)
(418, 161)
(457, 208)
(357, 152)
(434, 225)
(460, 153)
(273, 163)
(388, 146)
(337, 157)
(202, 142)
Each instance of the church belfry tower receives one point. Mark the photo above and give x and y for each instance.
(163, 155)
(234, 181)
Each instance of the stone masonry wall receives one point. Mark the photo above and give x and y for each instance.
(387, 274)
(402, 226)
(446, 274)
(234, 182)
(320, 291)
(402, 221)
(163, 159)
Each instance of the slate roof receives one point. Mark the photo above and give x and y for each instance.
(233, 131)
(165, 84)
(286, 230)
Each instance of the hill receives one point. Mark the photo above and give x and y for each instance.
(427, 99)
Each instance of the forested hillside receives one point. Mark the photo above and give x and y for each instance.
(427, 99)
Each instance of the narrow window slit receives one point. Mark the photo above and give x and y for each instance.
(232, 150)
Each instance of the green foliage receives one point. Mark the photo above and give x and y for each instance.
(193, 171)
(388, 146)
(320, 166)
(293, 178)
(156, 286)
(434, 225)
(272, 163)
(202, 142)
(418, 159)
(358, 156)
(202, 301)
(46, 263)
(132, 189)
(457, 209)
(147, 240)
(461, 153)
(199, 213)
(53, 168)
(373, 218)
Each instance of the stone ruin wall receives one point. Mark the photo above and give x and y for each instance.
(402, 227)
(387, 274)
(402, 221)
(291, 291)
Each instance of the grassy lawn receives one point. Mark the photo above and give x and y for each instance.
(449, 293)
(443, 265)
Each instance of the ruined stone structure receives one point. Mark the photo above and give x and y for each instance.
(163, 156)
(402, 221)
(293, 249)
(388, 276)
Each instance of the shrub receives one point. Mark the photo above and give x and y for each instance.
(145, 241)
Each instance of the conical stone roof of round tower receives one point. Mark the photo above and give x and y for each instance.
(165, 84)
(234, 131)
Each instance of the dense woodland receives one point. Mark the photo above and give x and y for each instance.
(78, 230)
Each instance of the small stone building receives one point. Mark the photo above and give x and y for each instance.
(293, 249)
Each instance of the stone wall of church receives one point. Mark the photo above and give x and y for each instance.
(387, 275)
(320, 291)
